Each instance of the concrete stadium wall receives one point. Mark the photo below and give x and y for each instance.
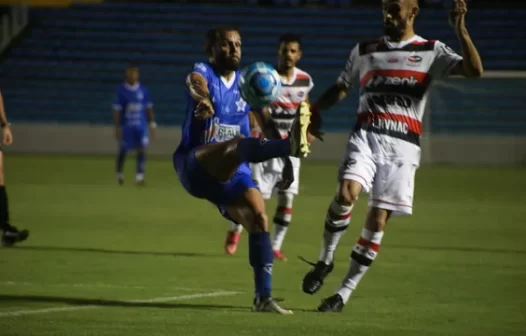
(87, 139)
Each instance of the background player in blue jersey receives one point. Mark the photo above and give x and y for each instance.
(133, 115)
(211, 159)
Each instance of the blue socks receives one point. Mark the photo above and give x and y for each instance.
(261, 259)
(120, 161)
(260, 150)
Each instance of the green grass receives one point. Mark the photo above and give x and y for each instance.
(456, 267)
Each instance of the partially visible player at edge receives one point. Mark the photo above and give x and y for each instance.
(133, 115)
(211, 159)
(10, 234)
(394, 74)
(296, 85)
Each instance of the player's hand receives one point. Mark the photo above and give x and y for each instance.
(457, 16)
(315, 123)
(287, 176)
(204, 109)
(118, 133)
(7, 136)
(153, 128)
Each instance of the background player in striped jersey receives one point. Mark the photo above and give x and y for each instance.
(383, 153)
(296, 85)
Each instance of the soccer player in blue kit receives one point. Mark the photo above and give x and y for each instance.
(211, 159)
(133, 115)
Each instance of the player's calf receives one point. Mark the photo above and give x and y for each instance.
(337, 221)
(282, 220)
(362, 256)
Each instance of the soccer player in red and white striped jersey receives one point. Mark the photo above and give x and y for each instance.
(394, 74)
(296, 85)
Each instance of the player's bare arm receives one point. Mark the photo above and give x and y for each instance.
(332, 96)
(150, 114)
(471, 65)
(6, 129)
(198, 88)
(267, 124)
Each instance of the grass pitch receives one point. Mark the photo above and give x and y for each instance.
(109, 260)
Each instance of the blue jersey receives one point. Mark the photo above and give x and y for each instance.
(231, 112)
(132, 102)
(229, 120)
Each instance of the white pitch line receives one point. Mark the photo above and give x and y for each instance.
(97, 285)
(153, 300)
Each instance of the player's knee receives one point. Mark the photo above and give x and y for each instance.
(230, 147)
(346, 198)
(261, 222)
(348, 193)
(377, 219)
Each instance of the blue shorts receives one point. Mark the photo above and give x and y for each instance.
(199, 183)
(134, 138)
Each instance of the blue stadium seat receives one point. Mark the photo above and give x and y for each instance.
(67, 68)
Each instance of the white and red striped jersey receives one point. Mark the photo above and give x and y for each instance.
(394, 81)
(292, 93)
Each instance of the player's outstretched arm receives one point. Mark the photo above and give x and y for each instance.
(331, 96)
(471, 64)
(198, 88)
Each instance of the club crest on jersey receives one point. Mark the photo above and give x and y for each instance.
(414, 60)
(140, 95)
(301, 94)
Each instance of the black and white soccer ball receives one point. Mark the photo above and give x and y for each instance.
(259, 84)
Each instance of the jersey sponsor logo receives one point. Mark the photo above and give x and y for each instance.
(386, 101)
(390, 125)
(394, 125)
(224, 132)
(391, 80)
(401, 82)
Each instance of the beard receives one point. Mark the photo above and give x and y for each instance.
(226, 63)
(395, 29)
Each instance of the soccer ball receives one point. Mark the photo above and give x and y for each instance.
(259, 84)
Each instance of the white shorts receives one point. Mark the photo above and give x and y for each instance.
(389, 179)
(267, 174)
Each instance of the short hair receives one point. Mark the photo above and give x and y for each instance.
(213, 35)
(290, 38)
